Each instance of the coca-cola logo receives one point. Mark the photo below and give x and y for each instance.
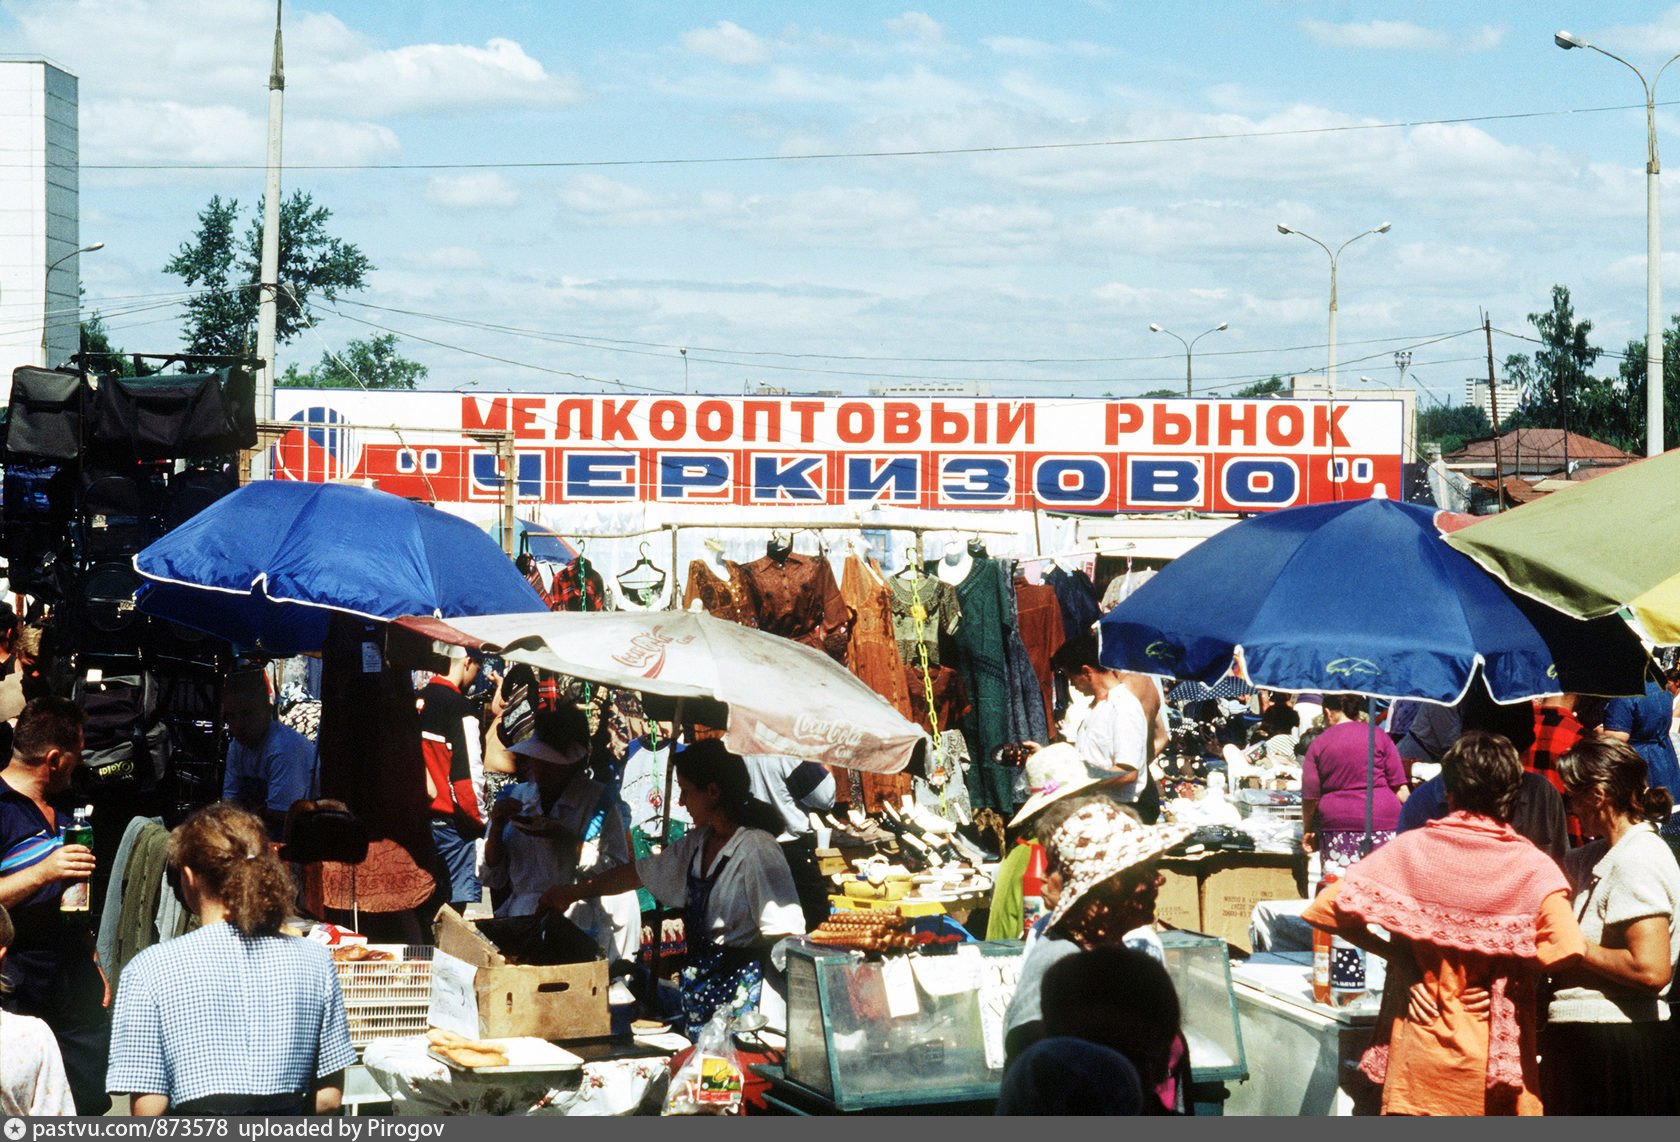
(807, 727)
(647, 650)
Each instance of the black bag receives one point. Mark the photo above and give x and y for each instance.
(324, 830)
(39, 561)
(162, 418)
(125, 742)
(193, 491)
(120, 514)
(45, 414)
(38, 491)
(105, 619)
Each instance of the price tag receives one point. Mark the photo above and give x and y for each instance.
(899, 981)
(370, 658)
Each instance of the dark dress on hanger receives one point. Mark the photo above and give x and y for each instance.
(982, 660)
(798, 598)
(720, 598)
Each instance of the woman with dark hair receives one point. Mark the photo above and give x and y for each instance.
(1333, 783)
(728, 875)
(1476, 913)
(1608, 1046)
(233, 1018)
(1123, 999)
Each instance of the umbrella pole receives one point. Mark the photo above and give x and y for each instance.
(665, 838)
(1370, 768)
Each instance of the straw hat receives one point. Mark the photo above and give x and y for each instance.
(536, 749)
(1054, 772)
(1099, 843)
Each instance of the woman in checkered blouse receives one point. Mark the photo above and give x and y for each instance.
(233, 1018)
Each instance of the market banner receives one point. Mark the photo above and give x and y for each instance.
(1067, 454)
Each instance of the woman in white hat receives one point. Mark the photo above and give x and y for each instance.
(1104, 874)
(558, 827)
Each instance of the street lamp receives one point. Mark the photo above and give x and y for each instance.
(1330, 369)
(46, 294)
(1153, 328)
(1653, 246)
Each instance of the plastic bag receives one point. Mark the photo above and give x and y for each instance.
(710, 1079)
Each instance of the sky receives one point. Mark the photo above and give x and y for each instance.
(564, 197)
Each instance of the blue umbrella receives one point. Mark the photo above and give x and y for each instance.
(265, 566)
(1229, 686)
(1360, 597)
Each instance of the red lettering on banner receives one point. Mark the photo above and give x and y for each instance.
(1327, 426)
(979, 423)
(1016, 423)
(855, 422)
(1171, 427)
(807, 410)
(1279, 433)
(901, 423)
(770, 411)
(714, 421)
(1118, 419)
(667, 420)
(948, 427)
(474, 420)
(525, 416)
(1202, 424)
(575, 416)
(615, 420)
(1243, 418)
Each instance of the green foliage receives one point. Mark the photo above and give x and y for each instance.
(1162, 393)
(1559, 388)
(1451, 425)
(1633, 377)
(1273, 386)
(371, 364)
(100, 356)
(222, 318)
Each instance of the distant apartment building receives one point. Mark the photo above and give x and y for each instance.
(1477, 394)
(40, 315)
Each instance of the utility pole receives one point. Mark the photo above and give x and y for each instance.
(268, 291)
(1493, 403)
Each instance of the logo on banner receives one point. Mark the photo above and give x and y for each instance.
(646, 652)
(321, 449)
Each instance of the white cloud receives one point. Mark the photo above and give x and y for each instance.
(1041, 49)
(1395, 35)
(728, 43)
(479, 190)
(445, 77)
(444, 259)
(917, 26)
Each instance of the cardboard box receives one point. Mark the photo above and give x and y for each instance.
(476, 992)
(1180, 900)
(1216, 893)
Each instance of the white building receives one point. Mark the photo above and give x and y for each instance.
(40, 319)
(1476, 394)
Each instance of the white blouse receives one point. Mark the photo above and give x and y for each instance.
(753, 896)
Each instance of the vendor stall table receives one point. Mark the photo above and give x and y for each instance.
(787, 1097)
(1305, 1055)
(617, 1078)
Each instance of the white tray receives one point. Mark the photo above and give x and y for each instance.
(523, 1054)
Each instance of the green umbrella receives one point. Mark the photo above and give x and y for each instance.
(1591, 550)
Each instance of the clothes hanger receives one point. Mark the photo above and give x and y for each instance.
(642, 576)
(977, 547)
(910, 570)
(780, 546)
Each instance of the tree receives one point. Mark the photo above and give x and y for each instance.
(1153, 394)
(1273, 386)
(222, 318)
(1559, 390)
(371, 364)
(1633, 376)
(1451, 425)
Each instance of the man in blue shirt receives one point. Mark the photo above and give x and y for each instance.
(269, 765)
(51, 965)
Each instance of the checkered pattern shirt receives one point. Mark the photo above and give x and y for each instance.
(1556, 731)
(214, 1012)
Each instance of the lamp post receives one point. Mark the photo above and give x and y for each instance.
(1653, 246)
(1330, 369)
(1153, 328)
(46, 294)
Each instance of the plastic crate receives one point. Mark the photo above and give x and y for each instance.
(387, 999)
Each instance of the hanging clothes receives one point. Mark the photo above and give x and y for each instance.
(1029, 719)
(798, 598)
(942, 612)
(1121, 586)
(578, 587)
(872, 655)
(533, 576)
(1077, 597)
(983, 662)
(721, 598)
(1040, 621)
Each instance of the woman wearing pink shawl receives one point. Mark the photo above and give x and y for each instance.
(1470, 906)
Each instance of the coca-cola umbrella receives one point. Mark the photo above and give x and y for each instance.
(776, 696)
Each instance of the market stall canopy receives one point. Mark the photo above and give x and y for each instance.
(782, 697)
(1594, 548)
(1360, 597)
(264, 566)
(543, 542)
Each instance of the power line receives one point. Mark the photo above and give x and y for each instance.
(897, 154)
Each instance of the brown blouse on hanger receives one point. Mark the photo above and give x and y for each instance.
(872, 655)
(798, 599)
(721, 599)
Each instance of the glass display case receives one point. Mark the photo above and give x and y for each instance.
(1200, 968)
(865, 1033)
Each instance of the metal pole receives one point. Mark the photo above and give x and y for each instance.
(1370, 768)
(268, 291)
(1653, 286)
(510, 494)
(1330, 366)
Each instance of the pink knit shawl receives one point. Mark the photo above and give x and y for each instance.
(1469, 883)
